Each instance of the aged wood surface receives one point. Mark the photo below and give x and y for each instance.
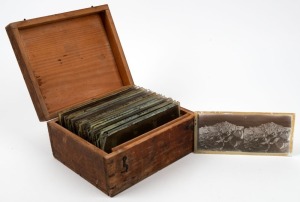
(63, 55)
(116, 47)
(14, 39)
(131, 162)
(142, 158)
(72, 58)
(79, 155)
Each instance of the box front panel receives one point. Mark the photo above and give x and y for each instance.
(142, 158)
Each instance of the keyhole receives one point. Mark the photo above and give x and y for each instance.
(125, 165)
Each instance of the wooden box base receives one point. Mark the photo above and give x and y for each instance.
(130, 162)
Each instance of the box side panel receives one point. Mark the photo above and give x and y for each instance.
(144, 157)
(77, 154)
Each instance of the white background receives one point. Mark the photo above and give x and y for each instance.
(209, 55)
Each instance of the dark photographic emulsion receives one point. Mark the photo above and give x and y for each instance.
(243, 132)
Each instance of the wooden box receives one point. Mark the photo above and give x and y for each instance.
(72, 58)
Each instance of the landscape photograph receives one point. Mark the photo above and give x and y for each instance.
(244, 132)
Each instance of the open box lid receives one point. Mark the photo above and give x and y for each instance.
(69, 58)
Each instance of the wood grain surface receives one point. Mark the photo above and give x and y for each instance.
(68, 59)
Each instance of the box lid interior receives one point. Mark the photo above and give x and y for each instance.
(69, 58)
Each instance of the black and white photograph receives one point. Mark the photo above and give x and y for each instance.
(242, 132)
